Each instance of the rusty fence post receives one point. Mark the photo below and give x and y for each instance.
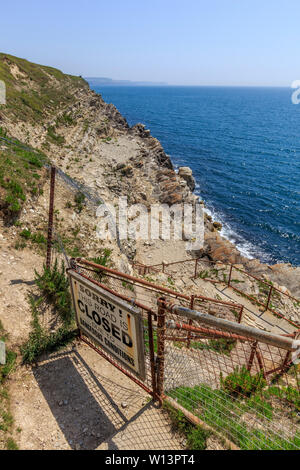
(230, 273)
(269, 297)
(190, 321)
(161, 327)
(151, 351)
(196, 266)
(50, 219)
(252, 354)
(241, 314)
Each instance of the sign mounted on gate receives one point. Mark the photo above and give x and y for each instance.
(113, 324)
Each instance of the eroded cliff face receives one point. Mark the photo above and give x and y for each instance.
(92, 142)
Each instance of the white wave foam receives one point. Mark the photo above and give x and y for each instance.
(245, 247)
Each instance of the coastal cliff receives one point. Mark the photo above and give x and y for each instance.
(89, 140)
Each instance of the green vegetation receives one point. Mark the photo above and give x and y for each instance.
(53, 137)
(65, 120)
(146, 337)
(43, 90)
(104, 259)
(21, 172)
(79, 199)
(241, 382)
(6, 419)
(40, 341)
(195, 436)
(222, 345)
(225, 413)
(37, 239)
(11, 445)
(128, 286)
(287, 395)
(54, 287)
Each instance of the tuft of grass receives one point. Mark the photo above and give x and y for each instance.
(225, 413)
(8, 367)
(54, 285)
(6, 418)
(195, 436)
(56, 138)
(241, 382)
(41, 341)
(222, 345)
(11, 444)
(79, 199)
(104, 260)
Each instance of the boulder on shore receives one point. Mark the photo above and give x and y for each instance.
(186, 174)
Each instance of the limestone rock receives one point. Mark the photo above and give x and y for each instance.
(186, 174)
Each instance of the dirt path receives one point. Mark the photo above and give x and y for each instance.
(16, 280)
(75, 399)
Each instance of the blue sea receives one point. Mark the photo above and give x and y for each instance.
(243, 145)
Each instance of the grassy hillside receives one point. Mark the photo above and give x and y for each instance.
(34, 92)
(21, 175)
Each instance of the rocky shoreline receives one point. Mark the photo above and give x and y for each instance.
(92, 142)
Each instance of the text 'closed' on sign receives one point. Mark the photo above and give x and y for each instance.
(114, 325)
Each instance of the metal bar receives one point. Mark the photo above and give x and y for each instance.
(208, 331)
(260, 362)
(269, 297)
(230, 273)
(241, 314)
(190, 321)
(284, 366)
(151, 351)
(161, 319)
(263, 305)
(196, 266)
(132, 278)
(50, 218)
(237, 328)
(252, 354)
(124, 297)
(198, 422)
(231, 266)
(169, 291)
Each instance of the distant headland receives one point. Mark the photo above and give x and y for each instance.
(104, 81)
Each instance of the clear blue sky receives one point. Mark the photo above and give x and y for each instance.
(191, 42)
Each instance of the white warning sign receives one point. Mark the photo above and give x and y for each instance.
(110, 322)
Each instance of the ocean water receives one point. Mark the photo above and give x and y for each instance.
(243, 145)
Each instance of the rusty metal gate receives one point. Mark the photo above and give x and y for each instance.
(144, 295)
(195, 361)
(98, 277)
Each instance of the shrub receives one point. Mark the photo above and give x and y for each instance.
(25, 234)
(241, 382)
(54, 284)
(103, 260)
(196, 436)
(79, 200)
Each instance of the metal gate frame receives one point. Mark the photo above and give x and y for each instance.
(97, 348)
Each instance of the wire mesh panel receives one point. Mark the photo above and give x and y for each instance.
(245, 389)
(259, 291)
(120, 288)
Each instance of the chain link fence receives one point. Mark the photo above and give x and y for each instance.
(242, 382)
